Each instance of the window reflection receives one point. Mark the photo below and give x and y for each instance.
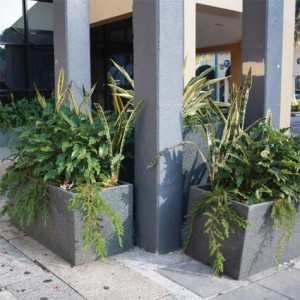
(26, 52)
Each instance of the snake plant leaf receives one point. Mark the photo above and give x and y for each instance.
(124, 73)
(245, 97)
(41, 99)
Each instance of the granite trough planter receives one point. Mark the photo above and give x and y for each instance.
(249, 251)
(64, 229)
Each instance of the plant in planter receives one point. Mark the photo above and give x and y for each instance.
(16, 114)
(195, 95)
(295, 106)
(238, 224)
(70, 157)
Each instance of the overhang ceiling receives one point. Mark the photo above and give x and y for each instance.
(216, 26)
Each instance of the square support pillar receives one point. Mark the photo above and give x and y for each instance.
(72, 43)
(268, 30)
(189, 39)
(158, 27)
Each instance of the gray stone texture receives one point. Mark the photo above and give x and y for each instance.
(249, 251)
(159, 81)
(286, 281)
(198, 278)
(45, 285)
(6, 295)
(251, 292)
(64, 230)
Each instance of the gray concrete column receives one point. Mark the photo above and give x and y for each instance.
(268, 29)
(158, 73)
(72, 43)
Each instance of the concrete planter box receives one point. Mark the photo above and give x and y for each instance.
(7, 137)
(63, 233)
(193, 168)
(249, 251)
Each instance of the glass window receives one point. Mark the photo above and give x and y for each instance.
(110, 41)
(11, 15)
(297, 85)
(26, 52)
(40, 23)
(41, 66)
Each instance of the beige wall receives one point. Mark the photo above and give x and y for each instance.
(105, 11)
(189, 39)
(236, 59)
(235, 5)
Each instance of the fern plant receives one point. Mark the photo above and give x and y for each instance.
(89, 203)
(220, 216)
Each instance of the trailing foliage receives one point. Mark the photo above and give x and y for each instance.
(220, 216)
(25, 200)
(88, 202)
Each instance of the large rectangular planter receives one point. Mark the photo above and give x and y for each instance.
(249, 251)
(64, 230)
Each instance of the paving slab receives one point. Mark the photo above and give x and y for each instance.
(268, 272)
(9, 232)
(94, 280)
(43, 286)
(9, 252)
(35, 251)
(17, 275)
(114, 281)
(251, 292)
(296, 263)
(147, 264)
(198, 278)
(22, 279)
(137, 256)
(86, 279)
(285, 282)
(180, 292)
(6, 295)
